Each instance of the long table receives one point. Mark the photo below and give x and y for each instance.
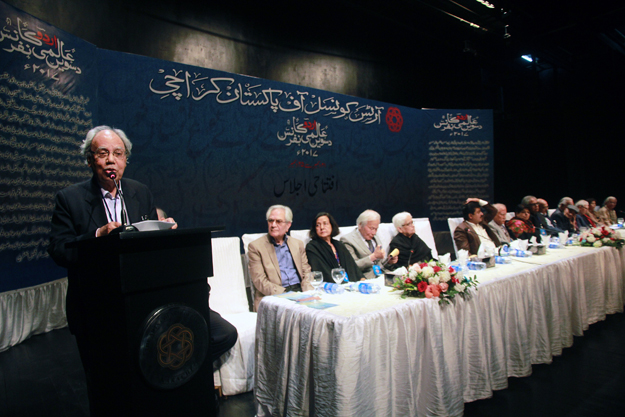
(383, 355)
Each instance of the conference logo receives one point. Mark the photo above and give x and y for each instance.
(173, 346)
(394, 119)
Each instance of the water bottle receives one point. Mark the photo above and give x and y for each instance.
(368, 288)
(543, 232)
(502, 260)
(522, 253)
(377, 271)
(456, 267)
(554, 245)
(504, 250)
(332, 288)
(476, 266)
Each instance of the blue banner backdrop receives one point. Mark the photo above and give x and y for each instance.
(215, 147)
(48, 83)
(219, 148)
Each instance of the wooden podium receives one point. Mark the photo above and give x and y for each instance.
(143, 299)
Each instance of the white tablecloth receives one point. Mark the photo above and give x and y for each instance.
(381, 355)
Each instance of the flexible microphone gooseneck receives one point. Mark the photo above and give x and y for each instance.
(113, 176)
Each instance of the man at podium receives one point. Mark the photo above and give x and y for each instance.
(96, 208)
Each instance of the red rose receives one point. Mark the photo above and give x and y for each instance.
(422, 286)
(436, 269)
(451, 270)
(423, 265)
(408, 281)
(455, 280)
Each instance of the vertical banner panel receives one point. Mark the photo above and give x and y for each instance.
(47, 104)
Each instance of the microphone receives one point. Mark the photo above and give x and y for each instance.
(113, 176)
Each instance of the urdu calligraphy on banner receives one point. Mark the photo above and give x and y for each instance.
(227, 90)
(48, 54)
(459, 124)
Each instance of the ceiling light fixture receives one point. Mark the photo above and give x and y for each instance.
(528, 58)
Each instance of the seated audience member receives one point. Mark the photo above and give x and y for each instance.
(592, 210)
(543, 218)
(410, 246)
(364, 245)
(278, 262)
(325, 253)
(498, 224)
(559, 219)
(520, 225)
(607, 214)
(572, 215)
(583, 219)
(533, 206)
(474, 231)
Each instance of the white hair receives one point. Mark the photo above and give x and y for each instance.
(607, 200)
(582, 203)
(367, 216)
(85, 147)
(288, 214)
(400, 218)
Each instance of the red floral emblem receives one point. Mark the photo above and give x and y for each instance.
(394, 119)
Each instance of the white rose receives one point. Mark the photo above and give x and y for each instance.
(434, 280)
(416, 268)
(606, 241)
(413, 274)
(428, 271)
(444, 276)
(597, 244)
(460, 287)
(590, 239)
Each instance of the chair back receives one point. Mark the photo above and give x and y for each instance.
(423, 229)
(454, 222)
(227, 295)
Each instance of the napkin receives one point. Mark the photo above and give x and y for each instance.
(398, 271)
(446, 258)
(463, 255)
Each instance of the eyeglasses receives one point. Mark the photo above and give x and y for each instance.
(407, 224)
(104, 154)
(276, 221)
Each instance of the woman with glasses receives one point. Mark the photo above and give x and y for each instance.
(325, 253)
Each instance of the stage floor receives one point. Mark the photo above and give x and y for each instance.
(43, 377)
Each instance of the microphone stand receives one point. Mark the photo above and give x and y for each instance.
(125, 227)
(121, 197)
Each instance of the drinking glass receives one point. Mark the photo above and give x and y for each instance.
(338, 275)
(316, 279)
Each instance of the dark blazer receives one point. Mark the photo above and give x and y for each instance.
(321, 258)
(560, 221)
(466, 238)
(411, 250)
(78, 212)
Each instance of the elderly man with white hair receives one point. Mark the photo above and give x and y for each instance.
(607, 214)
(559, 217)
(498, 224)
(410, 246)
(278, 262)
(583, 219)
(364, 245)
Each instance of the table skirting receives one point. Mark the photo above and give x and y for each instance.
(381, 355)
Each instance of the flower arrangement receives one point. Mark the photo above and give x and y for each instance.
(601, 236)
(433, 279)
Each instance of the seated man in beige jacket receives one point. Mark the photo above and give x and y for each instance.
(278, 262)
